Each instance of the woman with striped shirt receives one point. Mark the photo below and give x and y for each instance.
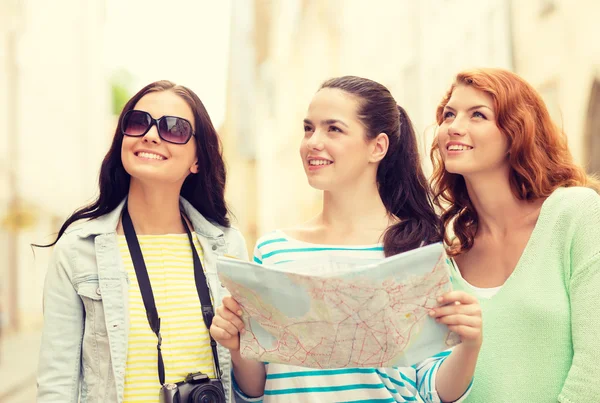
(157, 227)
(359, 148)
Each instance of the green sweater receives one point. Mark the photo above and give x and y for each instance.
(541, 331)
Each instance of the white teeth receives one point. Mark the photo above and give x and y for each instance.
(319, 162)
(459, 147)
(150, 156)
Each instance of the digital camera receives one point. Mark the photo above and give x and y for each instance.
(196, 388)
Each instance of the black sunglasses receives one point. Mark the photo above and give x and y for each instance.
(171, 129)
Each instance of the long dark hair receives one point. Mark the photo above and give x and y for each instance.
(204, 190)
(402, 185)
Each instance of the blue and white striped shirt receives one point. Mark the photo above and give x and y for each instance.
(291, 384)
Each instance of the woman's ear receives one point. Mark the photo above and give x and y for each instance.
(194, 167)
(380, 145)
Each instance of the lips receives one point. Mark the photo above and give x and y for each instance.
(149, 155)
(316, 163)
(319, 162)
(459, 148)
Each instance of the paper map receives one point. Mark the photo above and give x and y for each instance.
(340, 312)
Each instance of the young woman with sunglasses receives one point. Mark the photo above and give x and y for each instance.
(360, 149)
(161, 189)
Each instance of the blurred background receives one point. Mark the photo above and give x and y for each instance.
(68, 66)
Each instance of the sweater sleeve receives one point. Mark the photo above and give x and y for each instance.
(583, 284)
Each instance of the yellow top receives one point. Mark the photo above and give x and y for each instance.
(186, 343)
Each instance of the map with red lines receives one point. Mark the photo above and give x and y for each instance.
(350, 314)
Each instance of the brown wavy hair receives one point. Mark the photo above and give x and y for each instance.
(539, 158)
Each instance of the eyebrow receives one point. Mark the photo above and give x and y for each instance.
(327, 122)
(471, 108)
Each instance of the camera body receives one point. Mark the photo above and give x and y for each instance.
(196, 388)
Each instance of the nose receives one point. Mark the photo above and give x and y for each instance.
(315, 142)
(457, 127)
(152, 134)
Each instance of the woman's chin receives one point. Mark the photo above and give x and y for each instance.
(148, 175)
(317, 184)
(454, 168)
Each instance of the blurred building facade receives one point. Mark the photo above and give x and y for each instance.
(555, 50)
(282, 50)
(53, 125)
(55, 121)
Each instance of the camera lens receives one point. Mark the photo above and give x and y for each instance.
(207, 394)
(208, 399)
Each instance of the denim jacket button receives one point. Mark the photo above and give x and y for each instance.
(214, 247)
(98, 291)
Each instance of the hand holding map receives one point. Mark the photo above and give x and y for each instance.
(338, 312)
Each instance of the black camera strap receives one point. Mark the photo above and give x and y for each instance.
(146, 289)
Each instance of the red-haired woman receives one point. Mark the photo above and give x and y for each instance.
(523, 226)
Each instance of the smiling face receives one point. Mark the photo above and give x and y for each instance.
(469, 139)
(335, 151)
(149, 158)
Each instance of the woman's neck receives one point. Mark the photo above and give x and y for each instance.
(358, 208)
(154, 210)
(499, 211)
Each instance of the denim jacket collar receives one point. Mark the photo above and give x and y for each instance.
(108, 223)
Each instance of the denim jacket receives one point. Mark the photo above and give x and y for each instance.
(86, 316)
